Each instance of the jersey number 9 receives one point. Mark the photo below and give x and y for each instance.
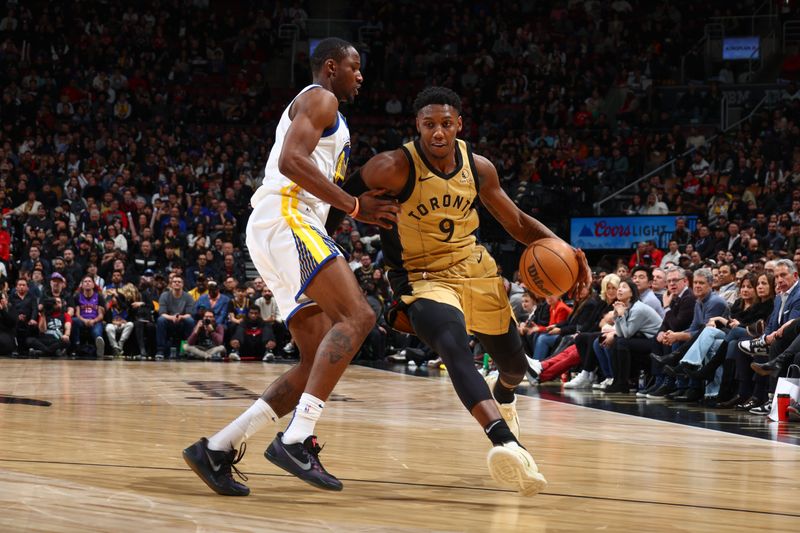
(447, 227)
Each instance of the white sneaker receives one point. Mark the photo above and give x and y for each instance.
(534, 365)
(399, 357)
(268, 357)
(507, 410)
(289, 348)
(603, 385)
(100, 347)
(234, 357)
(581, 381)
(511, 466)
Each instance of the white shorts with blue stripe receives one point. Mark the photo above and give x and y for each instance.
(288, 250)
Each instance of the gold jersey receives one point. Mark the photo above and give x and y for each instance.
(437, 219)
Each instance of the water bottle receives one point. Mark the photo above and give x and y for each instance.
(485, 364)
(642, 380)
(173, 353)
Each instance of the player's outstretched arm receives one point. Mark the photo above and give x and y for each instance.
(519, 225)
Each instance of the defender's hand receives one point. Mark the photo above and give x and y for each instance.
(374, 210)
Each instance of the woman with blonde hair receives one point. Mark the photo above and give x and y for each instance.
(119, 306)
(580, 352)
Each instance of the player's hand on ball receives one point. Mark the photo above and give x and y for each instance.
(374, 210)
(584, 278)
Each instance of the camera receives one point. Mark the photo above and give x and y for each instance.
(207, 321)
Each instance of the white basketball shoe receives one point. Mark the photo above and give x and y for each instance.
(511, 466)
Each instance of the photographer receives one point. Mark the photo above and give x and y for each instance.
(206, 339)
(55, 327)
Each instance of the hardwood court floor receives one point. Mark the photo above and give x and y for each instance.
(105, 456)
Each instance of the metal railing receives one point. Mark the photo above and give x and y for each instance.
(790, 34)
(712, 31)
(290, 31)
(344, 28)
(760, 51)
(672, 161)
(770, 15)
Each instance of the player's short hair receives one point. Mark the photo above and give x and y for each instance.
(330, 48)
(437, 95)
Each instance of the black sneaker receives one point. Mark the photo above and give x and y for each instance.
(216, 468)
(302, 460)
(662, 391)
(754, 347)
(652, 387)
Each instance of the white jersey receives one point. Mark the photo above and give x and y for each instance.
(331, 156)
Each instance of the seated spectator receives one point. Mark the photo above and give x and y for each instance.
(175, 317)
(642, 276)
(8, 327)
(237, 308)
(635, 323)
(707, 352)
(728, 288)
(88, 321)
(785, 312)
(272, 316)
(253, 337)
(146, 259)
(23, 306)
(143, 314)
(120, 312)
(206, 339)
(55, 328)
(582, 318)
(584, 353)
(216, 302)
(708, 305)
(200, 289)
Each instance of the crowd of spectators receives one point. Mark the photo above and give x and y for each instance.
(720, 335)
(133, 138)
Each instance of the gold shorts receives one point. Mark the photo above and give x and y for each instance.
(472, 286)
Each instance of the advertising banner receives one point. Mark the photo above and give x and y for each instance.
(602, 233)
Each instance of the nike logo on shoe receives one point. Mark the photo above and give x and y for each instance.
(304, 466)
(214, 467)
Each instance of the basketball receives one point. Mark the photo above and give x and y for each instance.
(548, 267)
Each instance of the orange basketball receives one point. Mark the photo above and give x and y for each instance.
(548, 267)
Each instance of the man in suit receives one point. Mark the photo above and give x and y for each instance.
(679, 302)
(708, 305)
(782, 327)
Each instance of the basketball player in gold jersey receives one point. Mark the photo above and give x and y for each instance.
(445, 283)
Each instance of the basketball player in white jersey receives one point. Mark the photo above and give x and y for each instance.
(313, 285)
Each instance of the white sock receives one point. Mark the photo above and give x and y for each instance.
(306, 414)
(257, 417)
